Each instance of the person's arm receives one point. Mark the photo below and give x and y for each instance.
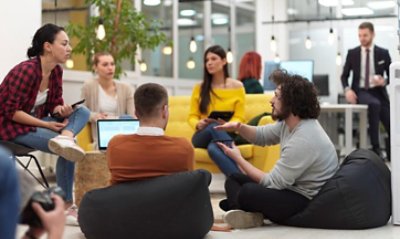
(238, 110)
(246, 131)
(194, 114)
(387, 66)
(234, 153)
(24, 118)
(350, 95)
(130, 104)
(346, 71)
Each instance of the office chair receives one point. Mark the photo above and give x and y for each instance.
(19, 150)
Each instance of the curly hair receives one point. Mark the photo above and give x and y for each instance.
(299, 96)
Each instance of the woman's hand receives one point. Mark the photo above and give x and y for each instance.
(101, 116)
(56, 126)
(63, 110)
(204, 122)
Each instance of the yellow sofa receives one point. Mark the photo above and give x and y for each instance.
(263, 158)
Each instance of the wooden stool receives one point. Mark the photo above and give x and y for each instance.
(91, 173)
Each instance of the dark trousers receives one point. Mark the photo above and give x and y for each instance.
(378, 111)
(276, 205)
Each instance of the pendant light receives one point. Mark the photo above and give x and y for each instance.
(101, 31)
(308, 42)
(273, 44)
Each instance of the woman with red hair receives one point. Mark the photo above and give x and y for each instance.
(250, 72)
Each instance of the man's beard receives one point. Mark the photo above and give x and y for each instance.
(284, 114)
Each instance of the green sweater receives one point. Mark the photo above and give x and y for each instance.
(252, 86)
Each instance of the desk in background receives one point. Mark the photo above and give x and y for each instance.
(349, 110)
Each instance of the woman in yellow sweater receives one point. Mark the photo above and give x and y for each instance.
(217, 93)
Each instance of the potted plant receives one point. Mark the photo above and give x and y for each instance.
(126, 30)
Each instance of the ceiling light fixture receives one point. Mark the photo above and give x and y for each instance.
(338, 59)
(229, 56)
(273, 44)
(187, 12)
(191, 64)
(381, 5)
(277, 59)
(101, 31)
(167, 49)
(357, 11)
(192, 45)
(69, 63)
(142, 66)
(308, 42)
(151, 2)
(331, 35)
(335, 3)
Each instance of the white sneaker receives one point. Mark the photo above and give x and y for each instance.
(71, 216)
(239, 219)
(66, 148)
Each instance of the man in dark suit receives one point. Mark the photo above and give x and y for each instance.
(368, 63)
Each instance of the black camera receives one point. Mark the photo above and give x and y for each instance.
(29, 216)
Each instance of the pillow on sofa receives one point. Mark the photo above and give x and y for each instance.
(239, 140)
(173, 206)
(358, 196)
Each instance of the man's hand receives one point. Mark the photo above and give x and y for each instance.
(351, 96)
(53, 221)
(233, 152)
(378, 80)
(228, 126)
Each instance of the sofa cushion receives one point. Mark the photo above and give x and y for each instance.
(202, 154)
(174, 206)
(358, 196)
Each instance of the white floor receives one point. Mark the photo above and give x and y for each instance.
(267, 231)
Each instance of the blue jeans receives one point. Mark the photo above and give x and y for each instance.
(9, 195)
(206, 138)
(40, 138)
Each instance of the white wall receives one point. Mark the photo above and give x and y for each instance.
(19, 21)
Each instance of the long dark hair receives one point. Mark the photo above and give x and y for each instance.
(206, 89)
(47, 33)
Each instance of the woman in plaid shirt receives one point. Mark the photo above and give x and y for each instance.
(31, 94)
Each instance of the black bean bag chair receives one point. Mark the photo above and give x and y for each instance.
(174, 206)
(358, 196)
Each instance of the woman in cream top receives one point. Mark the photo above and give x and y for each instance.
(106, 97)
(217, 92)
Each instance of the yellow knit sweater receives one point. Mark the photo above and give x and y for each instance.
(222, 100)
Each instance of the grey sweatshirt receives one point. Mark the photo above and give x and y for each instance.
(308, 156)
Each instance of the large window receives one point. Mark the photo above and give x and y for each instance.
(205, 22)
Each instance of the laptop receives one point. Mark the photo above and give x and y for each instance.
(108, 128)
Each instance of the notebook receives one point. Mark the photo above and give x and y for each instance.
(108, 128)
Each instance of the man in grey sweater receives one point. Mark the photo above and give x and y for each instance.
(308, 158)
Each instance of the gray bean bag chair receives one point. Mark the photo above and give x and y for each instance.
(175, 206)
(358, 196)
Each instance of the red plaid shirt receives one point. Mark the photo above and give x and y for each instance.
(18, 91)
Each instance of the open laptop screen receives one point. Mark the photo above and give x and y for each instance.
(108, 128)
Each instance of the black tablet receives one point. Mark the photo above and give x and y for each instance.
(225, 115)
